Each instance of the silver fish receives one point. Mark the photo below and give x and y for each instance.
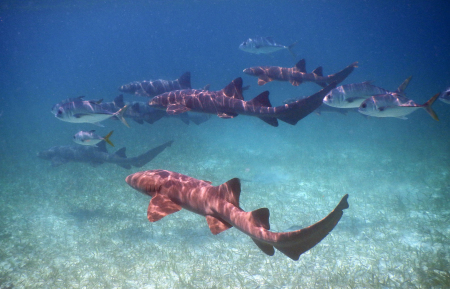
(264, 45)
(86, 111)
(395, 104)
(352, 95)
(90, 138)
(445, 96)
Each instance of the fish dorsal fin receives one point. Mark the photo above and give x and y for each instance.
(80, 97)
(234, 89)
(318, 71)
(301, 65)
(121, 153)
(118, 101)
(97, 101)
(231, 191)
(261, 99)
(92, 130)
(217, 225)
(260, 218)
(161, 206)
(185, 80)
(403, 86)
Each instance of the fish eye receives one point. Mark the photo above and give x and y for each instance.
(363, 105)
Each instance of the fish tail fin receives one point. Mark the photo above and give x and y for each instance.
(342, 75)
(289, 48)
(120, 113)
(106, 138)
(297, 242)
(427, 105)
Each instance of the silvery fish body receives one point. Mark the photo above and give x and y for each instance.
(352, 95)
(394, 105)
(90, 138)
(445, 96)
(85, 111)
(263, 45)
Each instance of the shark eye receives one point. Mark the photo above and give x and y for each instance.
(363, 105)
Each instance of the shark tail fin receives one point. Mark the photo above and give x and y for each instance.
(403, 86)
(342, 75)
(119, 115)
(299, 241)
(427, 105)
(106, 138)
(297, 110)
(185, 80)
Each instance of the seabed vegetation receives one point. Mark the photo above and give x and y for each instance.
(83, 227)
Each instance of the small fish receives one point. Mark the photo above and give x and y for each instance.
(394, 105)
(90, 138)
(264, 45)
(86, 111)
(352, 95)
(445, 96)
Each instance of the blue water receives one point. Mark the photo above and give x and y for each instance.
(81, 226)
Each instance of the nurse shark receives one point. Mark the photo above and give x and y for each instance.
(171, 192)
(98, 155)
(297, 75)
(229, 103)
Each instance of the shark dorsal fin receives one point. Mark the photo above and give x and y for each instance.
(234, 89)
(121, 153)
(260, 218)
(231, 191)
(261, 99)
(118, 101)
(403, 86)
(185, 80)
(318, 71)
(301, 65)
(102, 146)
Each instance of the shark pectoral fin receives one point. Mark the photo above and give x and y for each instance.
(295, 82)
(57, 161)
(177, 109)
(226, 115)
(264, 79)
(161, 206)
(217, 225)
(266, 248)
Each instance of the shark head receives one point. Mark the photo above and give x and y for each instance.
(148, 182)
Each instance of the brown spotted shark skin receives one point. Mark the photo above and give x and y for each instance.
(172, 191)
(297, 75)
(229, 103)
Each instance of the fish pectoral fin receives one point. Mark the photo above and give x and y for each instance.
(161, 206)
(226, 115)
(402, 117)
(266, 248)
(79, 115)
(217, 225)
(177, 109)
(98, 124)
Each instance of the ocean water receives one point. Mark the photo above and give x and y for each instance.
(80, 226)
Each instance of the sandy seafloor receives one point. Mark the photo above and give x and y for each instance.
(78, 226)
